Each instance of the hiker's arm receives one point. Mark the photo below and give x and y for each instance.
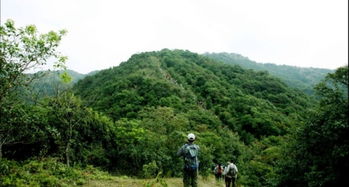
(226, 169)
(180, 151)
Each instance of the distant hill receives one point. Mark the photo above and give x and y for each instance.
(48, 83)
(92, 72)
(211, 93)
(296, 77)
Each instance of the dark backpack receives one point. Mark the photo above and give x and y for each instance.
(191, 157)
(232, 172)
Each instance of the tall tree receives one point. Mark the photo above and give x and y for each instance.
(22, 50)
(68, 114)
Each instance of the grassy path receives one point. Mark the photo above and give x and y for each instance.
(131, 182)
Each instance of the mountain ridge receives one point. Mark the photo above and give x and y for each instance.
(297, 77)
(183, 80)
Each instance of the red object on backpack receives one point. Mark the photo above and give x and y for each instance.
(220, 170)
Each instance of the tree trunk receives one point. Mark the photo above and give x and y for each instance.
(67, 158)
(0, 151)
(67, 149)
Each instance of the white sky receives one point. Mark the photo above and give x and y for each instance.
(103, 33)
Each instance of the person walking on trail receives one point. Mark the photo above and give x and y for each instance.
(218, 171)
(190, 152)
(230, 173)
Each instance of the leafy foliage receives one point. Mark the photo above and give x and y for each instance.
(21, 49)
(251, 103)
(132, 119)
(319, 155)
(301, 78)
(156, 98)
(47, 172)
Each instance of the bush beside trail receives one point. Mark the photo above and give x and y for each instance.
(51, 172)
(46, 172)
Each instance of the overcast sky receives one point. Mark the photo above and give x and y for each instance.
(103, 33)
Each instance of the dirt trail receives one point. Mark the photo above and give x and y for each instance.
(130, 182)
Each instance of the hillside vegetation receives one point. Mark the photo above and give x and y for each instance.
(301, 78)
(254, 104)
(130, 121)
(156, 98)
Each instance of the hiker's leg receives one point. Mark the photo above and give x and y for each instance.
(227, 182)
(186, 178)
(233, 180)
(194, 178)
(230, 182)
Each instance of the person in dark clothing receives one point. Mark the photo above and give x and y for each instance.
(218, 171)
(190, 152)
(230, 174)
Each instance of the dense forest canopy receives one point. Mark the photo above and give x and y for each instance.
(301, 78)
(131, 119)
(254, 104)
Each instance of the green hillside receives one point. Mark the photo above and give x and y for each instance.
(124, 125)
(301, 78)
(254, 104)
(48, 83)
(161, 96)
(131, 119)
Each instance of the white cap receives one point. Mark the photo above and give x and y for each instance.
(191, 137)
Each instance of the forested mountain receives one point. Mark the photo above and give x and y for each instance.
(252, 103)
(157, 97)
(301, 78)
(131, 119)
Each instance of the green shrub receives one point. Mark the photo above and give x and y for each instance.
(150, 170)
(46, 172)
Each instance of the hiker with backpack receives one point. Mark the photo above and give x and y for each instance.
(190, 152)
(230, 173)
(218, 171)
